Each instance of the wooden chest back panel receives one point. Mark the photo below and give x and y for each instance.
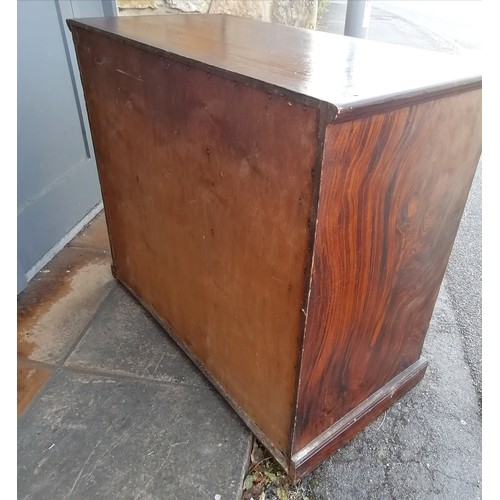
(393, 189)
(207, 187)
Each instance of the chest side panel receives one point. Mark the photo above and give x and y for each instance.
(207, 188)
(393, 189)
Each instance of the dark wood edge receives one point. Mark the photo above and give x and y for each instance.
(323, 119)
(97, 161)
(214, 70)
(385, 104)
(309, 457)
(278, 455)
(335, 113)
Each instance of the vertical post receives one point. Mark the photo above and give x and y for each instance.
(109, 8)
(357, 18)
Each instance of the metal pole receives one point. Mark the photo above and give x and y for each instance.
(109, 8)
(357, 18)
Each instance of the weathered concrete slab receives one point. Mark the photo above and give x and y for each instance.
(123, 338)
(89, 436)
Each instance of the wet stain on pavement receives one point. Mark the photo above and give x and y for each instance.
(57, 305)
(95, 235)
(29, 381)
(60, 301)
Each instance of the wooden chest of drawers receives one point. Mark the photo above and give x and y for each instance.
(284, 202)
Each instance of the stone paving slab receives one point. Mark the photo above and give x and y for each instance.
(94, 235)
(124, 339)
(428, 445)
(88, 436)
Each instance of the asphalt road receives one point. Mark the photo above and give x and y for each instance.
(447, 26)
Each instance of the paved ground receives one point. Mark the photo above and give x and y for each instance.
(120, 412)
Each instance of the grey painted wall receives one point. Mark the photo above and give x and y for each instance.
(57, 179)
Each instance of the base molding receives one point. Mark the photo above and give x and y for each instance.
(309, 457)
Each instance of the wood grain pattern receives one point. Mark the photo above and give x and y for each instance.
(207, 189)
(393, 189)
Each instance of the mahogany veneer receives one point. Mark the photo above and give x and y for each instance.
(284, 202)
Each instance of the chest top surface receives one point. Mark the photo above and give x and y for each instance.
(346, 73)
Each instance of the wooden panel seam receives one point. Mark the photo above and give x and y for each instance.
(324, 119)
